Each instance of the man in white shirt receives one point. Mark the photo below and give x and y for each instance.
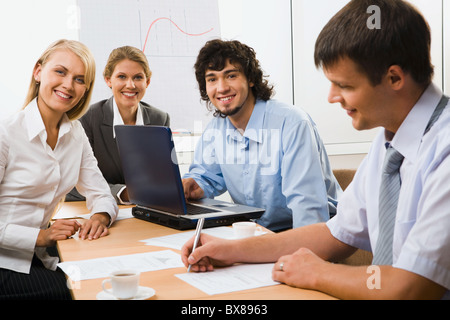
(382, 78)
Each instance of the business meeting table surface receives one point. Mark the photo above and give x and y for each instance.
(125, 237)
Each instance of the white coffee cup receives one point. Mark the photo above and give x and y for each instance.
(244, 229)
(124, 284)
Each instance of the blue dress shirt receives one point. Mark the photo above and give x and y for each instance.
(279, 163)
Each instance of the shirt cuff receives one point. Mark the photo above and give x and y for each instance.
(118, 195)
(20, 238)
(109, 207)
(347, 237)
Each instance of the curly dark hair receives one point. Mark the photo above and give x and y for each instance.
(214, 56)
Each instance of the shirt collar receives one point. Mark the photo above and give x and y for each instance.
(35, 125)
(409, 136)
(254, 125)
(117, 119)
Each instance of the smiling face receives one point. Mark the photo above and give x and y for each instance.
(229, 90)
(369, 106)
(62, 83)
(128, 83)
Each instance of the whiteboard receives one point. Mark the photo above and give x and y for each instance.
(172, 32)
(169, 32)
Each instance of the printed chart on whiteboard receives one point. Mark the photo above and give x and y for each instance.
(170, 33)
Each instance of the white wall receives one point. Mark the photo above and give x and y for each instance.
(264, 25)
(311, 86)
(28, 27)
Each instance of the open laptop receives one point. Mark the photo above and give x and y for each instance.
(153, 181)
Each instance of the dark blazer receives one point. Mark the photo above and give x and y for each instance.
(98, 125)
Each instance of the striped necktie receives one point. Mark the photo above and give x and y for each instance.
(389, 192)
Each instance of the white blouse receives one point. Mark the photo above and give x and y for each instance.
(34, 179)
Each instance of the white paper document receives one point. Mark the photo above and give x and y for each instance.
(176, 241)
(231, 279)
(102, 267)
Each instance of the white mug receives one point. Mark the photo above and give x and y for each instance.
(245, 229)
(124, 284)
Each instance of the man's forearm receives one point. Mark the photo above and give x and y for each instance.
(269, 248)
(375, 282)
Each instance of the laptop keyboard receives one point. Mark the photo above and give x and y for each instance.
(192, 209)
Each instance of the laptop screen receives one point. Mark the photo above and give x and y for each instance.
(150, 167)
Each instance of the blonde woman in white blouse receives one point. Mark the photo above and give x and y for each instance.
(44, 153)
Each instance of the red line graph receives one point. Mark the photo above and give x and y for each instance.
(170, 20)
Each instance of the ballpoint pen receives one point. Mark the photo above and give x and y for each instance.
(198, 231)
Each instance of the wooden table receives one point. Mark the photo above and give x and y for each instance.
(124, 239)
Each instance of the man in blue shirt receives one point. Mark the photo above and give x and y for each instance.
(265, 153)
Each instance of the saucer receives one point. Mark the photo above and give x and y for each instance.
(143, 293)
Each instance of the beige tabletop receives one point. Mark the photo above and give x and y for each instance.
(124, 239)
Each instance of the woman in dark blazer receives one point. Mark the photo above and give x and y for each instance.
(128, 75)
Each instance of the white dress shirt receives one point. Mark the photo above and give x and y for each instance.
(34, 179)
(117, 118)
(422, 230)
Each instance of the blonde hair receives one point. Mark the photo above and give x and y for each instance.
(86, 57)
(126, 52)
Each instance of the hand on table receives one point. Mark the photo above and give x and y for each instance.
(96, 227)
